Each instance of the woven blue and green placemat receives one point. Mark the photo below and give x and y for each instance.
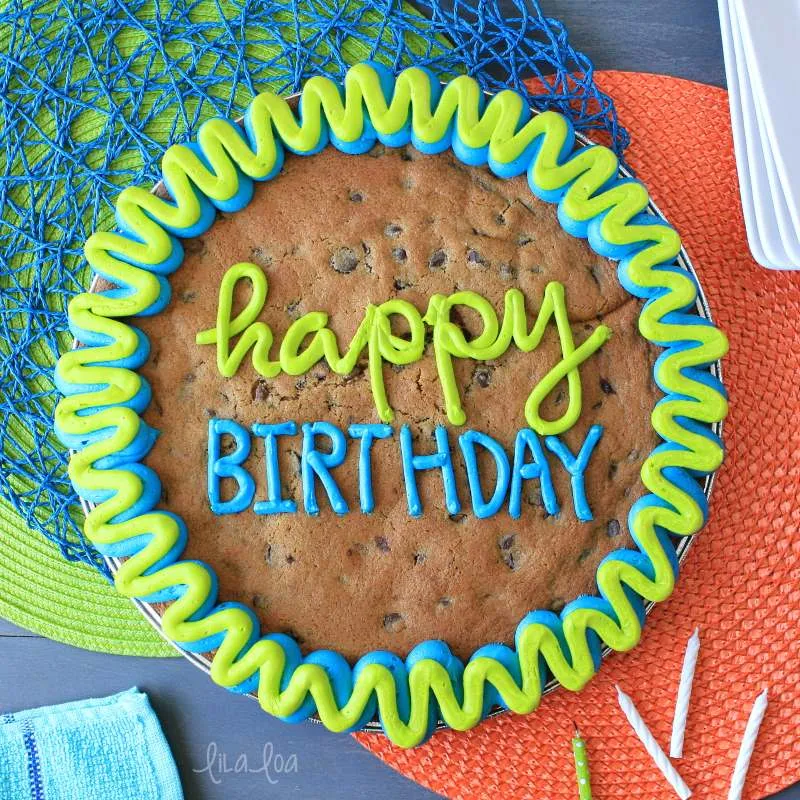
(91, 93)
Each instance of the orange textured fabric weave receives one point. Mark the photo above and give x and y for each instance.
(741, 580)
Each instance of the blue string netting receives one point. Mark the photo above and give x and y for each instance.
(92, 92)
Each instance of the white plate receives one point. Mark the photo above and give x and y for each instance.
(771, 233)
(770, 31)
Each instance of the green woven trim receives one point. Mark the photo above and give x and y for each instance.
(66, 601)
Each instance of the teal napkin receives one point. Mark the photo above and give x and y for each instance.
(110, 748)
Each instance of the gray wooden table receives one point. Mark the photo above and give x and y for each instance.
(203, 722)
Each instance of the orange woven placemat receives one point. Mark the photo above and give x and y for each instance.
(741, 581)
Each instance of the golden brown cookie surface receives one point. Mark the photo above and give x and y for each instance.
(335, 233)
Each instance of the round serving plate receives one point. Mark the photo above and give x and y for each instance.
(682, 544)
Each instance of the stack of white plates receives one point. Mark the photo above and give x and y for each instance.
(761, 40)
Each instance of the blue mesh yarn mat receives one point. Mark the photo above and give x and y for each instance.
(91, 94)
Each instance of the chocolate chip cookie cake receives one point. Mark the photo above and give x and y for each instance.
(392, 403)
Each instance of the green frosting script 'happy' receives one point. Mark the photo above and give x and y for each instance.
(375, 334)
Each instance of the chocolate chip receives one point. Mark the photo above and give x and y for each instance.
(293, 309)
(377, 151)
(400, 284)
(366, 248)
(524, 239)
(259, 256)
(209, 412)
(508, 271)
(612, 470)
(613, 529)
(259, 601)
(290, 559)
(419, 558)
(598, 404)
(268, 554)
(474, 257)
(633, 455)
(382, 543)
(437, 259)
(606, 387)
(445, 602)
(392, 230)
(457, 518)
(557, 604)
(344, 260)
(506, 542)
(509, 560)
(507, 551)
(394, 622)
(189, 377)
(595, 273)
(482, 376)
(260, 390)
(399, 254)
(406, 154)
(585, 554)
(188, 297)
(356, 197)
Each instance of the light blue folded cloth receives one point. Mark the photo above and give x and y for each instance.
(111, 748)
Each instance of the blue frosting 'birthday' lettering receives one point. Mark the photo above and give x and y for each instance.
(538, 469)
(368, 433)
(274, 503)
(228, 466)
(317, 463)
(481, 507)
(441, 459)
(317, 466)
(576, 466)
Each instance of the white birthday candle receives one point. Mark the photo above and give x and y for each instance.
(746, 748)
(653, 748)
(684, 694)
